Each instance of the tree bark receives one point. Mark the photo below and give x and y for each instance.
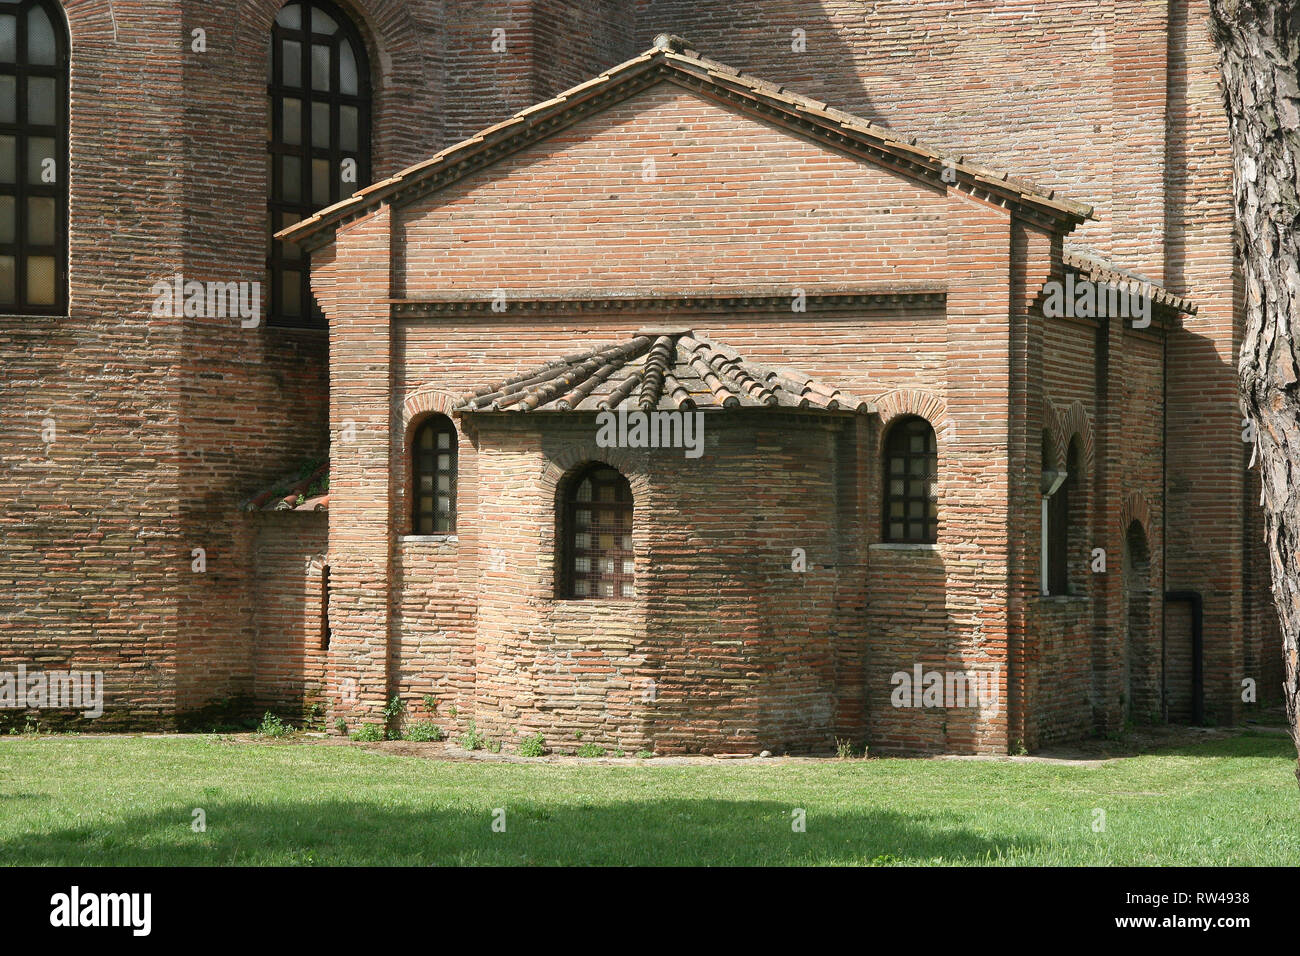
(1259, 52)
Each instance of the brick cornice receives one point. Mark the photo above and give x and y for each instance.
(766, 301)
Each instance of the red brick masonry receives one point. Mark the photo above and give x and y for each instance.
(861, 245)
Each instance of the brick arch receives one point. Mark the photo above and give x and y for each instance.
(425, 400)
(895, 404)
(1135, 507)
(90, 21)
(1067, 425)
(399, 64)
(392, 38)
(570, 458)
(564, 463)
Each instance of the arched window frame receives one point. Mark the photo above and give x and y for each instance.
(574, 550)
(28, 237)
(432, 437)
(286, 263)
(899, 459)
(1061, 524)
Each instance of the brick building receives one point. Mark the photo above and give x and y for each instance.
(910, 463)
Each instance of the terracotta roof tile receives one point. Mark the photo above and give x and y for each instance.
(295, 492)
(1101, 270)
(659, 371)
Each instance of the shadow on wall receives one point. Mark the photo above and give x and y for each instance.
(1205, 441)
(755, 38)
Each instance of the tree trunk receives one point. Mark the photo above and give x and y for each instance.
(1258, 57)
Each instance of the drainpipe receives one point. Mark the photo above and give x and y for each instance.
(1197, 605)
(1164, 516)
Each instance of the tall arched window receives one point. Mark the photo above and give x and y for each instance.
(911, 483)
(1061, 514)
(1060, 491)
(33, 158)
(433, 466)
(596, 534)
(319, 138)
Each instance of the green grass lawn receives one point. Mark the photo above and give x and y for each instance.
(129, 801)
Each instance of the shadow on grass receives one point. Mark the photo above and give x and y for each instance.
(1245, 743)
(653, 832)
(1173, 741)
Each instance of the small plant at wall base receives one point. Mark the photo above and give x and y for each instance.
(533, 745)
(341, 725)
(424, 731)
(590, 750)
(471, 739)
(393, 712)
(369, 733)
(273, 726)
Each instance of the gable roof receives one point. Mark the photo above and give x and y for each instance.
(673, 60)
(659, 371)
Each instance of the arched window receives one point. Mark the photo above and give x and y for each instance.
(33, 158)
(596, 534)
(911, 483)
(319, 138)
(1059, 491)
(433, 463)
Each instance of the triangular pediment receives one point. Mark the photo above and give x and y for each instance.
(671, 61)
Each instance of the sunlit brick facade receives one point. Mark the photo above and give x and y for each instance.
(664, 196)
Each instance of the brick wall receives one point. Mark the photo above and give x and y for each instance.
(714, 171)
(91, 549)
(289, 657)
(549, 220)
(164, 425)
(253, 403)
(726, 649)
(1116, 104)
